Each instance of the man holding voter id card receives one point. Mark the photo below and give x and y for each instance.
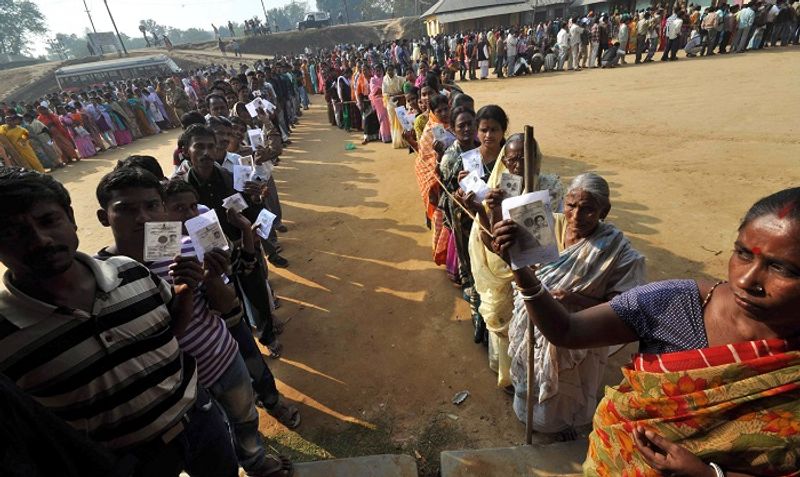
(132, 204)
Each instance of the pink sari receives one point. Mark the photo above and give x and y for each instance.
(376, 98)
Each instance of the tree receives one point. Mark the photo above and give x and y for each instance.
(73, 45)
(151, 26)
(286, 17)
(19, 19)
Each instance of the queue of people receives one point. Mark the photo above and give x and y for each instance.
(60, 128)
(150, 366)
(147, 360)
(686, 397)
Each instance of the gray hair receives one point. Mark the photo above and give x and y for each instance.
(594, 185)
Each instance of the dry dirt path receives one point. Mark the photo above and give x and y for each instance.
(378, 341)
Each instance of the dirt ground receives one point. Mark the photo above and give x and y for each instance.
(378, 341)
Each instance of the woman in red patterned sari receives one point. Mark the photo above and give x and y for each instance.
(715, 388)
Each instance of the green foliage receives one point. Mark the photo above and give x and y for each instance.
(19, 19)
(286, 17)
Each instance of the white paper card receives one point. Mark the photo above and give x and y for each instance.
(262, 171)
(162, 240)
(259, 103)
(510, 184)
(264, 222)
(443, 135)
(235, 202)
(241, 174)
(472, 160)
(206, 233)
(246, 160)
(256, 140)
(536, 241)
(474, 183)
(405, 117)
(252, 107)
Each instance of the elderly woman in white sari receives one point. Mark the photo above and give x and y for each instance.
(596, 263)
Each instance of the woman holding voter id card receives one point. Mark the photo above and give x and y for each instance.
(595, 263)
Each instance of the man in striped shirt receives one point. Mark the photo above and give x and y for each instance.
(129, 197)
(93, 341)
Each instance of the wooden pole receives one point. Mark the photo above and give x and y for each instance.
(533, 165)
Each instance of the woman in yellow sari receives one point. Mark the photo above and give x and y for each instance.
(392, 92)
(715, 388)
(18, 137)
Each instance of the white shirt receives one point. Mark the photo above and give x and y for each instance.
(772, 13)
(674, 28)
(562, 38)
(575, 32)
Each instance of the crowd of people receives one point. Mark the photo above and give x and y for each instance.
(60, 128)
(598, 275)
(117, 364)
(131, 352)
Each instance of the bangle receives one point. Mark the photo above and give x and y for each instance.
(717, 469)
(526, 296)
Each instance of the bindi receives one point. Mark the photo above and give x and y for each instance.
(756, 250)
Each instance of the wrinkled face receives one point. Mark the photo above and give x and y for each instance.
(490, 133)
(202, 151)
(464, 128)
(127, 212)
(583, 212)
(514, 157)
(182, 207)
(764, 269)
(39, 242)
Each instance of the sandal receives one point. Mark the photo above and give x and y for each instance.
(286, 414)
(275, 466)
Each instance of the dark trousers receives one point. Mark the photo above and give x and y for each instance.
(253, 293)
(203, 449)
(462, 69)
(640, 46)
(671, 50)
(725, 37)
(600, 49)
(767, 38)
(263, 380)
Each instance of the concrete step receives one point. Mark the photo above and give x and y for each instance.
(562, 459)
(385, 465)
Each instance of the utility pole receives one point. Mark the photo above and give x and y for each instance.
(265, 12)
(122, 43)
(91, 22)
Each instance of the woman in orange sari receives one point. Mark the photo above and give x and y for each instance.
(427, 170)
(715, 388)
(59, 134)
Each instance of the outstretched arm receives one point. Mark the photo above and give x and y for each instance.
(591, 328)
